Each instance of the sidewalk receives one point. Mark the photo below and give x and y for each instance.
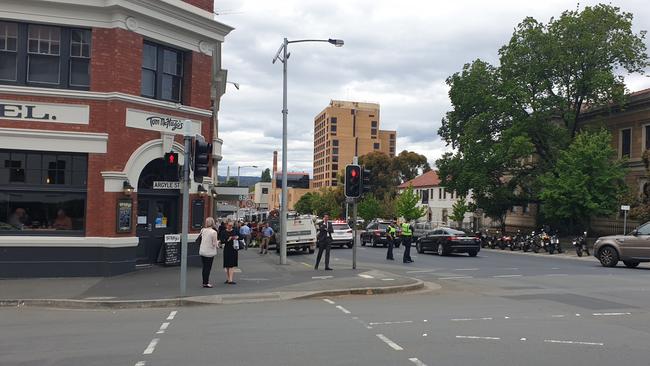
(260, 279)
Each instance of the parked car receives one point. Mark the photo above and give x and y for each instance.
(632, 249)
(301, 233)
(375, 234)
(342, 234)
(446, 240)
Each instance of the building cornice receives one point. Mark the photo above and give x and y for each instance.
(65, 141)
(89, 95)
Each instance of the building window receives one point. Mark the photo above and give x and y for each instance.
(376, 146)
(647, 136)
(333, 129)
(626, 140)
(162, 72)
(425, 196)
(373, 124)
(42, 192)
(265, 191)
(39, 55)
(335, 142)
(335, 150)
(335, 159)
(334, 174)
(335, 167)
(439, 193)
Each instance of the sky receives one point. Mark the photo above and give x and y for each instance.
(396, 53)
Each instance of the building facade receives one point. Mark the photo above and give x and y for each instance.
(260, 195)
(342, 131)
(298, 183)
(92, 96)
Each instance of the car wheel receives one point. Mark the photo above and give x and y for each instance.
(472, 253)
(374, 242)
(350, 245)
(419, 248)
(441, 250)
(631, 264)
(579, 252)
(608, 256)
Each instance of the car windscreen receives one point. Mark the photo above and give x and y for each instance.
(340, 227)
(456, 232)
(382, 227)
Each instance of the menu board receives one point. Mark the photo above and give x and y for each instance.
(172, 253)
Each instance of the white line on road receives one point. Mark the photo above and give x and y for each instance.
(306, 264)
(321, 277)
(477, 337)
(392, 344)
(558, 316)
(253, 279)
(611, 314)
(388, 279)
(365, 276)
(390, 323)
(417, 362)
(461, 319)
(513, 269)
(172, 315)
(140, 363)
(151, 347)
(343, 309)
(507, 276)
(574, 342)
(329, 301)
(466, 269)
(555, 268)
(422, 271)
(163, 328)
(556, 274)
(424, 334)
(455, 278)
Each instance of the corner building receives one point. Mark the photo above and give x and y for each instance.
(92, 95)
(342, 131)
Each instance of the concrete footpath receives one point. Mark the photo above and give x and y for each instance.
(259, 278)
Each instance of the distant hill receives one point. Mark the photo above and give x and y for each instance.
(245, 181)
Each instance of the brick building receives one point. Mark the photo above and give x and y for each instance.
(92, 96)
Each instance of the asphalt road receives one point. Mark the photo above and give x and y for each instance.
(495, 309)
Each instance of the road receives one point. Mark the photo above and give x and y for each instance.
(496, 309)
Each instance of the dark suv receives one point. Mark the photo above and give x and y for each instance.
(375, 234)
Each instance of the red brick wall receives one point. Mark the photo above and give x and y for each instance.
(196, 85)
(116, 61)
(203, 4)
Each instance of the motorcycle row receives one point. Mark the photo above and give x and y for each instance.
(535, 242)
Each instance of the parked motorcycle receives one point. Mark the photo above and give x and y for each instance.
(554, 244)
(517, 241)
(580, 244)
(526, 243)
(536, 242)
(495, 240)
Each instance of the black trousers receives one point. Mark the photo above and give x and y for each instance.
(406, 240)
(207, 267)
(389, 253)
(326, 248)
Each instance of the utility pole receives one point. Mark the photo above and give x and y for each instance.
(355, 160)
(283, 203)
(187, 132)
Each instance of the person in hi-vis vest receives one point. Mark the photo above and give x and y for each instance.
(407, 236)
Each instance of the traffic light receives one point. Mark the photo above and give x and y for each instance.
(202, 151)
(366, 181)
(352, 181)
(171, 160)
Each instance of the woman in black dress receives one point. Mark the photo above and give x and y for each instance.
(227, 238)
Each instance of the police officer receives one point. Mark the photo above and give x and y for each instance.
(407, 235)
(324, 239)
(391, 232)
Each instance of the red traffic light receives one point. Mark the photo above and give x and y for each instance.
(171, 159)
(354, 173)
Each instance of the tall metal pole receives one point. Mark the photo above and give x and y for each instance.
(624, 222)
(186, 210)
(354, 232)
(283, 204)
(238, 169)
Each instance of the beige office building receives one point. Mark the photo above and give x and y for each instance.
(344, 130)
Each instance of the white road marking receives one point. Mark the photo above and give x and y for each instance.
(163, 328)
(321, 277)
(329, 301)
(476, 337)
(422, 271)
(574, 342)
(558, 316)
(425, 334)
(99, 298)
(392, 344)
(455, 278)
(555, 268)
(237, 270)
(486, 318)
(507, 276)
(253, 279)
(556, 274)
(506, 317)
(417, 362)
(461, 319)
(151, 347)
(390, 323)
(388, 279)
(365, 276)
(425, 320)
(140, 363)
(466, 269)
(343, 309)
(523, 339)
(577, 314)
(513, 269)
(611, 314)
(172, 315)
(306, 264)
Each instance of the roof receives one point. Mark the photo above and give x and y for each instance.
(428, 179)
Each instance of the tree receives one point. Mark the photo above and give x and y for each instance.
(458, 211)
(406, 205)
(586, 181)
(266, 175)
(327, 201)
(510, 124)
(305, 204)
(387, 173)
(369, 208)
(232, 182)
(408, 165)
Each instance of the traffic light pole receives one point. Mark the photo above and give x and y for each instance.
(186, 212)
(355, 242)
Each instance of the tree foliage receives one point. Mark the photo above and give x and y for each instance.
(369, 208)
(406, 205)
(509, 124)
(305, 205)
(266, 175)
(408, 165)
(387, 173)
(458, 210)
(586, 181)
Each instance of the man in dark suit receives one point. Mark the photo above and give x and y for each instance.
(324, 240)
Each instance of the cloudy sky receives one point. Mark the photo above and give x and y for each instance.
(396, 53)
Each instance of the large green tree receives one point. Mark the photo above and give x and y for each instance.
(510, 123)
(369, 208)
(305, 204)
(458, 211)
(386, 173)
(266, 175)
(406, 205)
(586, 182)
(409, 164)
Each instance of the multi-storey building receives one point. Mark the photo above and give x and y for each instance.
(92, 95)
(342, 131)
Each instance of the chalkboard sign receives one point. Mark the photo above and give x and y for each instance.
(172, 253)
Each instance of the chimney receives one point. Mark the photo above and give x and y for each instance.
(207, 5)
(275, 162)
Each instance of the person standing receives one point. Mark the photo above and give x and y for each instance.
(390, 237)
(407, 236)
(230, 255)
(245, 232)
(208, 249)
(324, 240)
(267, 233)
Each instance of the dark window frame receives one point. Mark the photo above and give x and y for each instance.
(65, 59)
(626, 151)
(160, 72)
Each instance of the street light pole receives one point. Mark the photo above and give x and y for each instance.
(239, 168)
(285, 111)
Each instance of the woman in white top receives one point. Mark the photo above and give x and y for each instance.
(208, 249)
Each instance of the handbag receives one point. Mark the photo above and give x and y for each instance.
(198, 239)
(235, 244)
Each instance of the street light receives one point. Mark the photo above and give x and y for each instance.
(243, 166)
(284, 48)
